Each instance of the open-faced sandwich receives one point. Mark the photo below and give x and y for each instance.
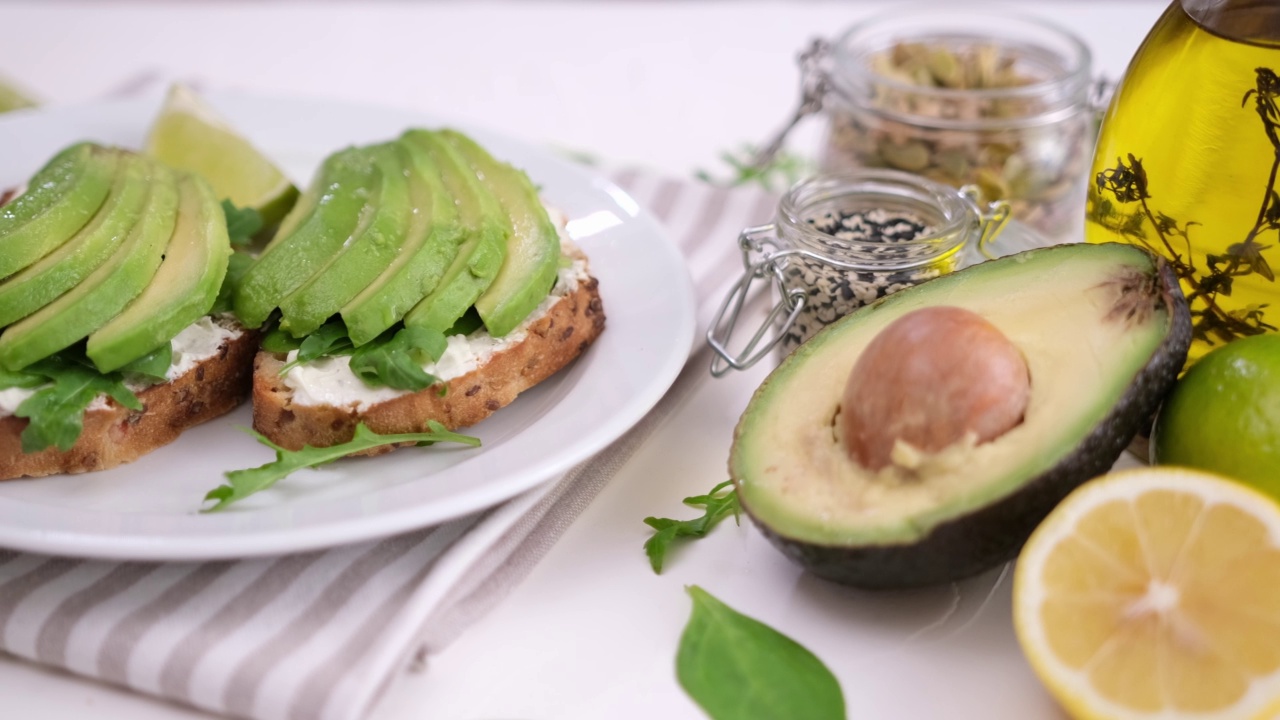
(416, 287)
(418, 281)
(111, 265)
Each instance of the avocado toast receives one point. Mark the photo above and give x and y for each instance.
(418, 281)
(113, 263)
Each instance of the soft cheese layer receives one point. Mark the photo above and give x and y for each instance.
(195, 344)
(329, 381)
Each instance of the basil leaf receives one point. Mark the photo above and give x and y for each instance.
(237, 265)
(397, 361)
(738, 668)
(154, 364)
(242, 223)
(56, 412)
(243, 483)
(328, 340)
(718, 505)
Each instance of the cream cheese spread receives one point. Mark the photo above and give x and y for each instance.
(195, 344)
(329, 381)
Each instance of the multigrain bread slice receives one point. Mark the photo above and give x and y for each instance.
(552, 342)
(114, 435)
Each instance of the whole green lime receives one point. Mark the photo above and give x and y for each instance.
(1224, 415)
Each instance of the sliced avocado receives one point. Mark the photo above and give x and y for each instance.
(182, 289)
(344, 207)
(39, 284)
(104, 293)
(1104, 330)
(360, 261)
(533, 251)
(60, 199)
(485, 226)
(429, 247)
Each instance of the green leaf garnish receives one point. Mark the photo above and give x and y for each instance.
(328, 340)
(396, 359)
(738, 668)
(237, 265)
(56, 412)
(719, 504)
(242, 223)
(280, 341)
(468, 323)
(783, 171)
(21, 379)
(243, 483)
(154, 364)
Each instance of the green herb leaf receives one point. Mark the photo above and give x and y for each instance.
(329, 340)
(56, 412)
(397, 360)
(279, 341)
(783, 171)
(237, 265)
(738, 668)
(719, 504)
(243, 483)
(242, 223)
(470, 320)
(154, 364)
(21, 379)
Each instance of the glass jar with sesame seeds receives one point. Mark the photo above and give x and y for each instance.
(843, 241)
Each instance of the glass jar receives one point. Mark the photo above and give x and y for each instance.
(1188, 162)
(962, 97)
(842, 241)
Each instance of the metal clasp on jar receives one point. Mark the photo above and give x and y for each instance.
(762, 241)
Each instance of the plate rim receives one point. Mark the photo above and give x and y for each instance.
(231, 544)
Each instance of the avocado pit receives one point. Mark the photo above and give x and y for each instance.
(929, 380)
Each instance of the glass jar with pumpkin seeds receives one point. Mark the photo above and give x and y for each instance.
(842, 241)
(987, 98)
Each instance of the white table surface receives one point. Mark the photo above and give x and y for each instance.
(592, 633)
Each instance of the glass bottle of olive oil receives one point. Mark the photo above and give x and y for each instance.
(1188, 162)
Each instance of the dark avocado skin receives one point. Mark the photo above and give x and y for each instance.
(981, 540)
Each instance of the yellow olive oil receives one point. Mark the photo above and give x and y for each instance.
(1187, 161)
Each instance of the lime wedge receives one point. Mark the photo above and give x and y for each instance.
(13, 98)
(189, 135)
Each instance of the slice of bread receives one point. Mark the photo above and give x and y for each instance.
(552, 341)
(114, 435)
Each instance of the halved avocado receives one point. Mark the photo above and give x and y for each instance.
(1104, 330)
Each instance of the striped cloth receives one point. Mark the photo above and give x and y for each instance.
(320, 635)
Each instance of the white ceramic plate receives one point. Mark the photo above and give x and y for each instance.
(148, 510)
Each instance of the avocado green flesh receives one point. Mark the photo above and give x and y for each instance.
(60, 199)
(364, 258)
(480, 257)
(59, 271)
(1062, 307)
(103, 294)
(430, 244)
(183, 288)
(533, 252)
(343, 208)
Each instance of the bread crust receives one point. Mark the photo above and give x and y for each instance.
(116, 435)
(553, 341)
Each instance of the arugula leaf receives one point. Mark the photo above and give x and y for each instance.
(718, 503)
(470, 320)
(328, 340)
(21, 379)
(154, 364)
(396, 361)
(243, 483)
(56, 412)
(280, 341)
(738, 668)
(242, 223)
(237, 265)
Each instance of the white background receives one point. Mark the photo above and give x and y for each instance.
(592, 633)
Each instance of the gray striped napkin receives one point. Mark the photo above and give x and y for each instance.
(320, 635)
